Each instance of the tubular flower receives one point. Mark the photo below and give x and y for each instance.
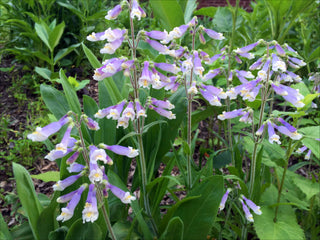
(162, 104)
(67, 212)
(214, 58)
(96, 174)
(263, 73)
(193, 89)
(278, 64)
(260, 130)
(177, 32)
(198, 69)
(114, 34)
(308, 155)
(114, 13)
(246, 49)
(75, 167)
(252, 205)
(297, 61)
(42, 134)
(67, 197)
(103, 112)
(280, 50)
(145, 79)
(111, 47)
(213, 100)
(211, 74)
(158, 35)
(302, 149)
(247, 117)
(213, 34)
(91, 124)
(141, 112)
(125, 197)
(168, 67)
(224, 199)
(273, 137)
(100, 36)
(163, 112)
(120, 150)
(90, 212)
(233, 114)
(97, 154)
(115, 112)
(136, 10)
(246, 210)
(62, 184)
(256, 65)
(215, 91)
(289, 94)
(128, 112)
(73, 157)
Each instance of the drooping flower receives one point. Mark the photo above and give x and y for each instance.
(67, 212)
(136, 10)
(114, 34)
(213, 34)
(158, 35)
(273, 137)
(168, 67)
(114, 13)
(308, 155)
(75, 167)
(91, 124)
(163, 112)
(224, 199)
(121, 150)
(42, 134)
(246, 210)
(162, 104)
(246, 49)
(213, 100)
(116, 111)
(198, 69)
(97, 154)
(280, 50)
(103, 112)
(289, 94)
(260, 130)
(111, 47)
(128, 112)
(145, 79)
(96, 174)
(193, 88)
(93, 37)
(233, 114)
(263, 73)
(256, 65)
(278, 64)
(297, 61)
(141, 112)
(73, 157)
(90, 212)
(252, 205)
(247, 117)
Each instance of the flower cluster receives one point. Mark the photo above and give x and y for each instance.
(245, 202)
(92, 169)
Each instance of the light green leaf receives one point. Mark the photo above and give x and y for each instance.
(308, 187)
(95, 63)
(314, 55)
(168, 12)
(174, 230)
(207, 11)
(43, 72)
(51, 176)
(64, 52)
(190, 7)
(43, 34)
(4, 230)
(55, 35)
(27, 196)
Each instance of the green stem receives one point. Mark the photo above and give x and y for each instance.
(289, 151)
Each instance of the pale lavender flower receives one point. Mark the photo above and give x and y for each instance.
(246, 118)
(67, 212)
(247, 55)
(162, 104)
(193, 88)
(291, 49)
(93, 37)
(302, 149)
(178, 53)
(211, 74)
(62, 184)
(308, 155)
(114, 34)
(294, 76)
(56, 154)
(159, 47)
(103, 112)
(247, 213)
(128, 112)
(238, 59)
(163, 112)
(157, 34)
(215, 91)
(289, 94)
(256, 65)
(201, 38)
(246, 48)
(125, 197)
(63, 145)
(278, 64)
(97, 154)
(156, 79)
(287, 125)
(90, 212)
(215, 58)
(280, 50)
(297, 61)
(177, 32)
(212, 99)
(121, 150)
(114, 13)
(91, 124)
(67, 197)
(145, 79)
(260, 130)
(168, 67)
(213, 34)
(273, 137)
(172, 84)
(233, 114)
(141, 112)
(111, 47)
(293, 135)
(252, 205)
(198, 69)
(205, 57)
(75, 167)
(136, 10)
(224, 199)
(115, 112)
(264, 71)
(123, 122)
(96, 174)
(42, 134)
(73, 158)
(187, 64)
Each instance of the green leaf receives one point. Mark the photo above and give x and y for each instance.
(64, 52)
(223, 20)
(70, 93)
(286, 226)
(55, 35)
(174, 230)
(123, 230)
(222, 159)
(188, 11)
(82, 84)
(90, 107)
(51, 176)
(42, 56)
(84, 231)
(308, 187)
(58, 234)
(207, 11)
(4, 231)
(22, 232)
(198, 214)
(43, 34)
(314, 55)
(27, 196)
(55, 101)
(169, 13)
(43, 72)
(311, 134)
(95, 63)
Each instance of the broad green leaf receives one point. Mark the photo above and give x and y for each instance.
(174, 230)
(198, 214)
(51, 176)
(43, 34)
(223, 20)
(84, 231)
(42, 56)
(188, 11)
(4, 230)
(22, 232)
(314, 55)
(43, 72)
(168, 12)
(95, 63)
(55, 35)
(90, 107)
(308, 187)
(27, 196)
(311, 134)
(207, 11)
(222, 159)
(286, 226)
(55, 101)
(47, 220)
(70, 94)
(74, 10)
(64, 52)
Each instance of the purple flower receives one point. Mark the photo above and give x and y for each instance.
(201, 38)
(252, 205)
(177, 32)
(42, 134)
(232, 114)
(136, 10)
(91, 124)
(273, 137)
(256, 65)
(213, 34)
(145, 79)
(67, 197)
(246, 118)
(247, 213)
(280, 50)
(308, 155)
(293, 135)
(159, 47)
(75, 167)
(198, 69)
(297, 61)
(162, 104)
(93, 37)
(278, 64)
(158, 35)
(215, 58)
(120, 150)
(111, 47)
(62, 184)
(289, 94)
(211, 74)
(90, 212)
(290, 49)
(67, 212)
(128, 112)
(123, 122)
(115, 112)
(302, 149)
(215, 91)
(114, 34)
(163, 112)
(224, 199)
(73, 158)
(264, 71)
(96, 174)
(246, 48)
(140, 110)
(212, 99)
(125, 197)
(99, 154)
(260, 130)
(114, 13)
(103, 112)
(168, 67)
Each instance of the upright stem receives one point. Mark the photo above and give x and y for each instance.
(289, 151)
(143, 167)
